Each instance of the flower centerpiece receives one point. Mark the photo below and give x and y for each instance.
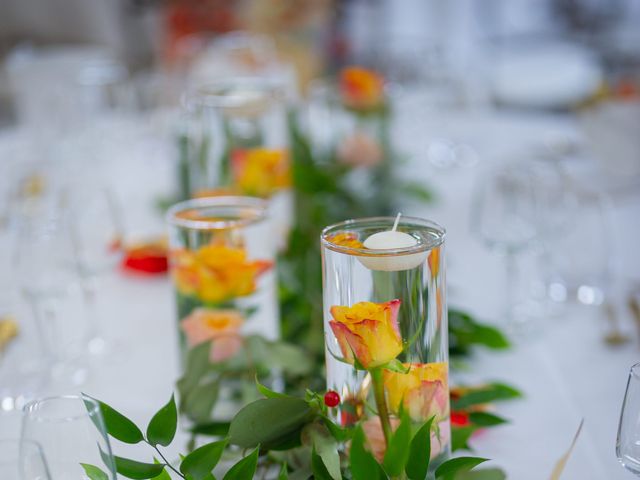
(386, 328)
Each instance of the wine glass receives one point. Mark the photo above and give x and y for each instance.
(628, 441)
(71, 431)
(96, 232)
(22, 460)
(503, 217)
(47, 276)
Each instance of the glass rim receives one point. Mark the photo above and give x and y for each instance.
(229, 201)
(351, 224)
(90, 404)
(216, 93)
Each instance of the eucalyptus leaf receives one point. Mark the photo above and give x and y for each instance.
(268, 421)
(268, 393)
(245, 468)
(199, 463)
(137, 470)
(213, 429)
(93, 472)
(319, 468)
(284, 472)
(460, 436)
(449, 469)
(163, 425)
(199, 402)
(397, 454)
(420, 453)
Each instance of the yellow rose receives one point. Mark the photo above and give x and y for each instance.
(216, 272)
(368, 332)
(423, 391)
(261, 171)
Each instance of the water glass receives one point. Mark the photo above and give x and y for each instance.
(22, 460)
(71, 431)
(628, 441)
(503, 217)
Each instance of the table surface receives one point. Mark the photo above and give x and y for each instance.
(565, 370)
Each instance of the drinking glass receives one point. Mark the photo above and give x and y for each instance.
(22, 460)
(503, 217)
(628, 441)
(47, 276)
(96, 232)
(71, 431)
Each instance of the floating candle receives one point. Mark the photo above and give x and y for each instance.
(392, 240)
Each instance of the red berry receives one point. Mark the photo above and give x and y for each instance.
(331, 399)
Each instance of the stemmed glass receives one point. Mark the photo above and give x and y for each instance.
(22, 460)
(96, 232)
(503, 217)
(628, 441)
(47, 277)
(71, 431)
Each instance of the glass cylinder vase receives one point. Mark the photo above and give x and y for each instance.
(235, 140)
(385, 322)
(222, 266)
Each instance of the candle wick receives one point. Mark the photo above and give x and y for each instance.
(395, 224)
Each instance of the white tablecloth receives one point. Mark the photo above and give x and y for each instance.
(565, 371)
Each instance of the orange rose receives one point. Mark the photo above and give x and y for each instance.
(220, 326)
(346, 239)
(422, 391)
(361, 89)
(216, 272)
(368, 332)
(261, 171)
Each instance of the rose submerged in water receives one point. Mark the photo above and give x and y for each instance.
(368, 332)
(222, 327)
(216, 272)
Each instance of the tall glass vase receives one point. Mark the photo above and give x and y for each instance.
(385, 322)
(235, 141)
(222, 266)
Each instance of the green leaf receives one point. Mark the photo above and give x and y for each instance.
(212, 429)
(196, 366)
(284, 472)
(420, 453)
(93, 472)
(268, 393)
(397, 454)
(163, 425)
(269, 422)
(449, 469)
(119, 426)
(319, 468)
(482, 474)
(199, 463)
(486, 419)
(415, 190)
(164, 475)
(137, 470)
(490, 393)
(460, 436)
(245, 468)
(325, 447)
(198, 403)
(363, 465)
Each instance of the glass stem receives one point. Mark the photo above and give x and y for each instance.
(381, 403)
(511, 277)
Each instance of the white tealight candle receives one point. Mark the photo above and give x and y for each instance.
(391, 240)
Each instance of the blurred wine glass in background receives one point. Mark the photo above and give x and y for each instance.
(503, 218)
(96, 234)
